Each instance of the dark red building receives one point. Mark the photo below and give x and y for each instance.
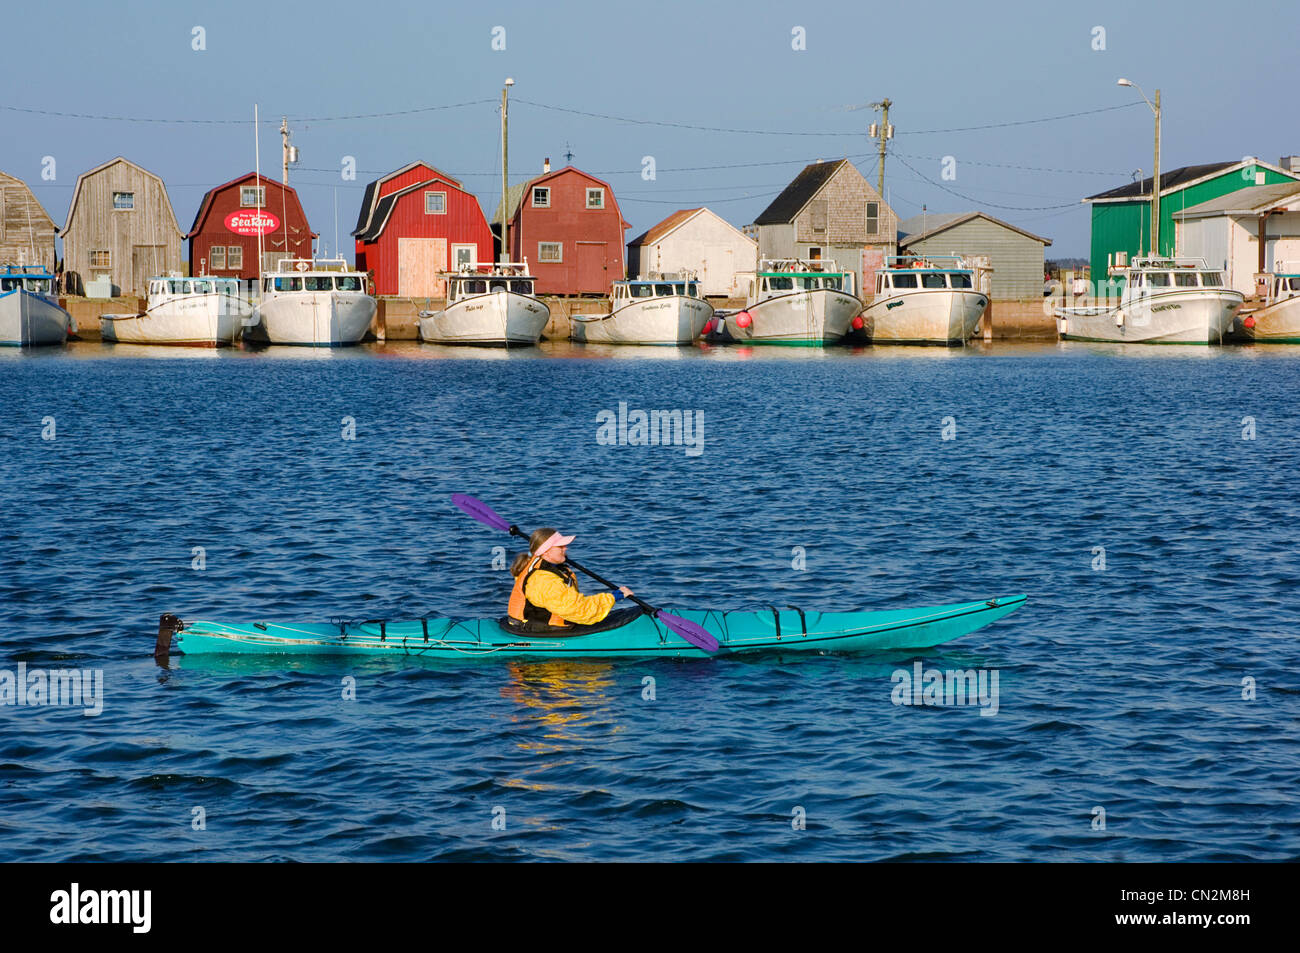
(223, 239)
(414, 223)
(568, 226)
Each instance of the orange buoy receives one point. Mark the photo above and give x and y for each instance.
(858, 323)
(744, 319)
(1250, 321)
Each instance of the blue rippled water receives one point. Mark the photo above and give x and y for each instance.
(1120, 688)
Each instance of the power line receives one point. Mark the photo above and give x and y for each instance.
(1013, 208)
(1026, 168)
(240, 122)
(1016, 122)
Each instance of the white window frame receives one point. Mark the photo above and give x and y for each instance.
(430, 194)
(559, 247)
(599, 191)
(455, 249)
(234, 257)
(544, 189)
(123, 208)
(260, 196)
(213, 263)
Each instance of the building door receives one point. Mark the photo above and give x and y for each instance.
(593, 273)
(418, 262)
(146, 262)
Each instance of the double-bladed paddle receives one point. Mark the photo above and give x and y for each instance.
(693, 633)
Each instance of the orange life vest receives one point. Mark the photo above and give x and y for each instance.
(520, 609)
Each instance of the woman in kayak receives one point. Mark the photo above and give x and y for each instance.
(546, 590)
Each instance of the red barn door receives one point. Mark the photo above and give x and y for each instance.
(593, 276)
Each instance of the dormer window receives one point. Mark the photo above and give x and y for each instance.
(252, 196)
(541, 197)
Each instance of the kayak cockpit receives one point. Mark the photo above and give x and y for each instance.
(615, 620)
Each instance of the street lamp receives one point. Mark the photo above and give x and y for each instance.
(1155, 178)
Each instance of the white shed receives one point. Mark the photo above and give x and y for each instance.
(695, 240)
(1225, 231)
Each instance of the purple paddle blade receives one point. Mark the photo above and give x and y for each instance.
(480, 511)
(695, 634)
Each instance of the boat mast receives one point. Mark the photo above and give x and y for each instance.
(257, 192)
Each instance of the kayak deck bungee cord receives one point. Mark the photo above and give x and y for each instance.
(626, 633)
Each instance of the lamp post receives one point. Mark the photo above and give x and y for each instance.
(1155, 178)
(505, 171)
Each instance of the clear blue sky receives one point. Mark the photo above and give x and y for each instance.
(1224, 76)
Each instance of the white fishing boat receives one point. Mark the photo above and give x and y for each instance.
(308, 302)
(654, 311)
(924, 300)
(796, 302)
(1164, 301)
(1276, 317)
(488, 305)
(185, 312)
(29, 309)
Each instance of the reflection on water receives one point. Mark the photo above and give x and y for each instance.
(560, 695)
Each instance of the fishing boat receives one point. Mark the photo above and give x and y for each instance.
(489, 304)
(29, 309)
(654, 311)
(796, 302)
(930, 300)
(314, 303)
(190, 312)
(1276, 317)
(1164, 301)
(625, 633)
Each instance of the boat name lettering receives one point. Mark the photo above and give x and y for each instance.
(1166, 307)
(892, 304)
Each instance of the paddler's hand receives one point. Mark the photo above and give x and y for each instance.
(625, 590)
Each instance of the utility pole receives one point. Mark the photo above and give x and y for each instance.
(882, 131)
(505, 170)
(1155, 188)
(290, 153)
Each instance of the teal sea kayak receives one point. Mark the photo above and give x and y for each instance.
(627, 633)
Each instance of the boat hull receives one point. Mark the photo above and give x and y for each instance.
(1278, 323)
(197, 321)
(943, 317)
(737, 633)
(315, 318)
(800, 318)
(31, 320)
(670, 320)
(1189, 317)
(495, 319)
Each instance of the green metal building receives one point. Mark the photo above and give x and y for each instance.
(1121, 218)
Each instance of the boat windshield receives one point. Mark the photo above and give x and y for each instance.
(318, 283)
(780, 282)
(522, 286)
(25, 283)
(1214, 279)
(290, 283)
(476, 287)
(1157, 279)
(640, 291)
(1291, 283)
(1185, 279)
(499, 284)
(903, 280)
(693, 289)
(348, 283)
(934, 279)
(203, 287)
(664, 291)
(179, 287)
(961, 279)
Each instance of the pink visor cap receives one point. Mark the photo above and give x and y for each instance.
(556, 539)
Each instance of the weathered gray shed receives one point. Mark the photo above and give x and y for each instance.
(1016, 255)
(26, 229)
(121, 226)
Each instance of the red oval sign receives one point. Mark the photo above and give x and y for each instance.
(252, 222)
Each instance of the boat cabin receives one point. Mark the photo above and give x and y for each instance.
(305, 275)
(905, 273)
(470, 281)
(30, 278)
(793, 274)
(625, 292)
(1283, 285)
(1153, 275)
(177, 287)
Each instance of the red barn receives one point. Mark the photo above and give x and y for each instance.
(414, 223)
(569, 227)
(223, 239)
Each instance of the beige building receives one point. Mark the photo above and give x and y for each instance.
(120, 227)
(698, 241)
(830, 211)
(26, 229)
